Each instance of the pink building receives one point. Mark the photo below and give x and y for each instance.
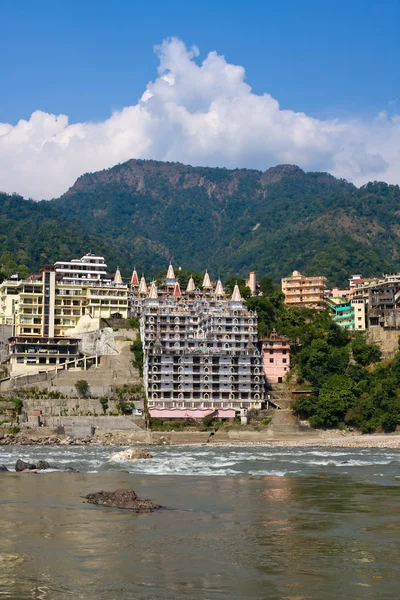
(276, 357)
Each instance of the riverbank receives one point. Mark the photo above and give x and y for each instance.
(329, 439)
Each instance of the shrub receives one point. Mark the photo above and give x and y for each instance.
(104, 403)
(83, 388)
(208, 421)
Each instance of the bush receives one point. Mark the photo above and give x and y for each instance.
(15, 429)
(83, 388)
(104, 403)
(208, 421)
(134, 323)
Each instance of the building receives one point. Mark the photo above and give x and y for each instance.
(89, 268)
(384, 303)
(45, 311)
(276, 357)
(200, 351)
(301, 291)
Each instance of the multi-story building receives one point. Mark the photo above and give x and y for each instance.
(276, 357)
(44, 311)
(304, 291)
(200, 351)
(90, 268)
(384, 303)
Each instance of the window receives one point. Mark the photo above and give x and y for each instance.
(284, 360)
(271, 360)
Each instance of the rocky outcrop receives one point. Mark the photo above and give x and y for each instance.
(126, 499)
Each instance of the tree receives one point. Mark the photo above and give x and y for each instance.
(335, 398)
(268, 286)
(83, 388)
(365, 354)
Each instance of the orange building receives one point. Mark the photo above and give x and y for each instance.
(300, 290)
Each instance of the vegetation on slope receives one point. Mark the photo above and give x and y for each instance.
(233, 221)
(350, 384)
(36, 233)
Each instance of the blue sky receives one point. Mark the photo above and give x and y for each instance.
(333, 60)
(87, 58)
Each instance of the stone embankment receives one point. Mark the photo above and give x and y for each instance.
(329, 439)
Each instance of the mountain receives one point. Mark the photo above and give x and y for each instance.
(37, 233)
(146, 213)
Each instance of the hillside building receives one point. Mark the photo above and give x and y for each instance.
(302, 291)
(44, 312)
(276, 357)
(384, 303)
(90, 268)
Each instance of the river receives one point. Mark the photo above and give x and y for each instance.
(241, 523)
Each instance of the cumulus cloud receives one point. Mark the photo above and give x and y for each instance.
(200, 114)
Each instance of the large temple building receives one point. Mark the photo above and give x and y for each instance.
(200, 349)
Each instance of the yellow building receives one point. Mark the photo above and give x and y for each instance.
(300, 290)
(44, 306)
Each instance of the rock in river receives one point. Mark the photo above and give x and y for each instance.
(3, 468)
(21, 465)
(122, 499)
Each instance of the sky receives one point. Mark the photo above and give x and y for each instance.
(87, 84)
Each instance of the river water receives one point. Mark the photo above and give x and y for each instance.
(242, 523)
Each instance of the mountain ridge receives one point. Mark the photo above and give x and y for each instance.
(230, 220)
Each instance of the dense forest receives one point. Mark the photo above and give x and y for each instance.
(145, 213)
(351, 386)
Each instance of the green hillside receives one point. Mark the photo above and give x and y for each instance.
(146, 213)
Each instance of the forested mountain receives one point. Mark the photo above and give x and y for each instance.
(229, 221)
(37, 233)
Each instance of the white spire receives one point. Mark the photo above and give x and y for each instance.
(153, 291)
(206, 281)
(236, 297)
(170, 272)
(219, 290)
(117, 277)
(142, 286)
(191, 285)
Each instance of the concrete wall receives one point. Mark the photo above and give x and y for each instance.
(104, 423)
(97, 342)
(387, 339)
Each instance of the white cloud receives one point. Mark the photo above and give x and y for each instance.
(198, 114)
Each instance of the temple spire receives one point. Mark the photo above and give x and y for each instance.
(236, 297)
(207, 281)
(153, 291)
(117, 277)
(170, 273)
(191, 285)
(134, 278)
(142, 286)
(219, 290)
(177, 290)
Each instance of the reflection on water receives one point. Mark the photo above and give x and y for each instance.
(287, 538)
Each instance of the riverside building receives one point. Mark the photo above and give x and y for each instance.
(200, 350)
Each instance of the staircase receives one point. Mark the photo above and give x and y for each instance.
(284, 422)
